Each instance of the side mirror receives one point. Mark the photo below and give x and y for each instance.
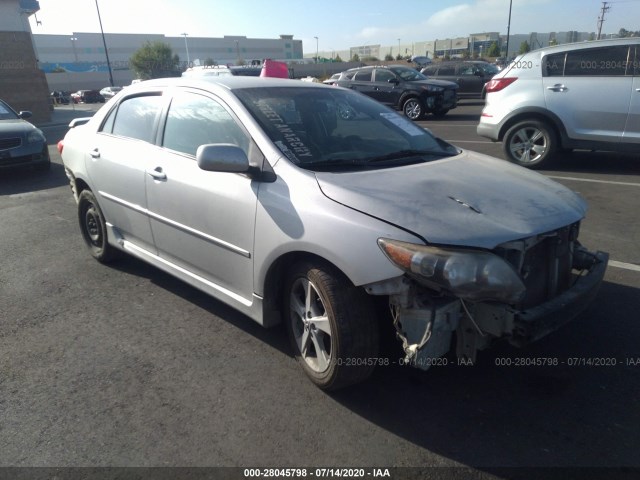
(222, 157)
(25, 114)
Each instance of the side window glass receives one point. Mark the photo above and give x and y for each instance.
(107, 126)
(363, 76)
(429, 71)
(553, 65)
(195, 120)
(604, 61)
(136, 117)
(447, 70)
(465, 69)
(383, 75)
(635, 60)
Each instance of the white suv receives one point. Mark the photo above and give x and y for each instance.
(582, 95)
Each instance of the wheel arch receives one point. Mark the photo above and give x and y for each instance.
(537, 114)
(274, 282)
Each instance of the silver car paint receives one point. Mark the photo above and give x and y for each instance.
(293, 214)
(434, 200)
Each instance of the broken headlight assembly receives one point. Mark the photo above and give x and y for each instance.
(472, 275)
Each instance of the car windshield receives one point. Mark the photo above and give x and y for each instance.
(6, 113)
(336, 129)
(408, 74)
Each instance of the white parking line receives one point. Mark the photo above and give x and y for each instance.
(626, 266)
(608, 182)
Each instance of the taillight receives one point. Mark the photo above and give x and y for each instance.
(498, 84)
(60, 146)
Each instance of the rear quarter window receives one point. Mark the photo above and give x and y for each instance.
(136, 117)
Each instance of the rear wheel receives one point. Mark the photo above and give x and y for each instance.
(413, 108)
(531, 144)
(94, 228)
(331, 325)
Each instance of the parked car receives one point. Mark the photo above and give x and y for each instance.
(60, 98)
(222, 71)
(332, 79)
(87, 96)
(575, 96)
(314, 206)
(471, 76)
(21, 144)
(109, 92)
(402, 88)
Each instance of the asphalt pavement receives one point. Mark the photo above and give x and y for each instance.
(126, 366)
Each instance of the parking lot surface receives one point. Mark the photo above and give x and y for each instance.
(124, 365)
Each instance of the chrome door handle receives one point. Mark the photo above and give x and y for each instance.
(558, 87)
(637, 89)
(157, 173)
(95, 153)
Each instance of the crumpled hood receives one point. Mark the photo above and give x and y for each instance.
(468, 200)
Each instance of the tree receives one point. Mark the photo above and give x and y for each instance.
(553, 42)
(466, 55)
(355, 57)
(623, 33)
(399, 57)
(524, 47)
(388, 57)
(337, 59)
(493, 50)
(155, 60)
(209, 62)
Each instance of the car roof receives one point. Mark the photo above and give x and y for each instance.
(225, 82)
(589, 44)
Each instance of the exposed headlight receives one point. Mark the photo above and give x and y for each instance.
(35, 136)
(469, 274)
(433, 88)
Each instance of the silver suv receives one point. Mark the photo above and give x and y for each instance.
(576, 96)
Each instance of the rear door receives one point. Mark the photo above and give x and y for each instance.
(590, 90)
(117, 163)
(203, 221)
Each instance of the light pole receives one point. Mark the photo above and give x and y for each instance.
(73, 44)
(506, 54)
(316, 49)
(398, 46)
(186, 46)
(104, 42)
(237, 52)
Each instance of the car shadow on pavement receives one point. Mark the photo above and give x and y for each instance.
(499, 414)
(274, 337)
(25, 180)
(583, 161)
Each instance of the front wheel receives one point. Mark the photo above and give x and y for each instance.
(413, 109)
(531, 144)
(331, 325)
(94, 228)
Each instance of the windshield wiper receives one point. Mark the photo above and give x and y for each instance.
(411, 153)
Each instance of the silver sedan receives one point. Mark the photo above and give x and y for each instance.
(315, 205)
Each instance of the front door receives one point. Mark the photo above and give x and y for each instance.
(203, 221)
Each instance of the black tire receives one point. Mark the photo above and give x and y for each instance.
(531, 144)
(439, 113)
(413, 108)
(331, 325)
(93, 228)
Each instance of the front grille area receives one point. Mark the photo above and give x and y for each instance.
(544, 263)
(15, 161)
(7, 143)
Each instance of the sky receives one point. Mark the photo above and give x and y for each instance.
(338, 24)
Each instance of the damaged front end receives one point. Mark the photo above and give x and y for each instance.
(520, 291)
